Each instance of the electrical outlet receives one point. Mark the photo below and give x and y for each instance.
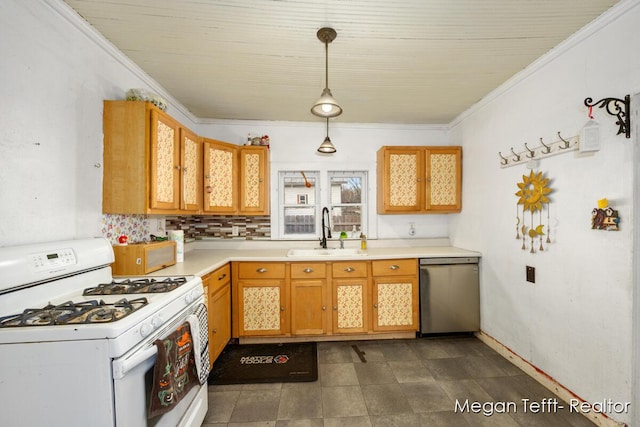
(531, 274)
(235, 231)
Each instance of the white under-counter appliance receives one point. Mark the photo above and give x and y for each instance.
(77, 347)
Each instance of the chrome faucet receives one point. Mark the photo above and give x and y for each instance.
(327, 226)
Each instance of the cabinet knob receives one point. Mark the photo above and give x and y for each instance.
(178, 167)
(394, 267)
(349, 269)
(308, 270)
(261, 270)
(375, 305)
(324, 308)
(282, 308)
(335, 308)
(215, 330)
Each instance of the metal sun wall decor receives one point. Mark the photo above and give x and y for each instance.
(532, 196)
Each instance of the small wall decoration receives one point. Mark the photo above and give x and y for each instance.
(532, 196)
(604, 217)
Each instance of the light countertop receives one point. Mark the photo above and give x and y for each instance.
(201, 259)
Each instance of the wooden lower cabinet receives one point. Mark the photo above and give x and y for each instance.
(260, 299)
(299, 299)
(309, 295)
(350, 286)
(217, 287)
(395, 295)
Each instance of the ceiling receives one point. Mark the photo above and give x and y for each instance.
(401, 61)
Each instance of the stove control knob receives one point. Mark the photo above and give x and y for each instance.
(191, 297)
(146, 329)
(156, 322)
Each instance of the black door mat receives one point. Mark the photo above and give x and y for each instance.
(265, 363)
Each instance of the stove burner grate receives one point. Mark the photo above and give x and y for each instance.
(136, 286)
(74, 313)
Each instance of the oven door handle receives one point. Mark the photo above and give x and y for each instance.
(122, 366)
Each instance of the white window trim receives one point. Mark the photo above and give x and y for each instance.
(277, 200)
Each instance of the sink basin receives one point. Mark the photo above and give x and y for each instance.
(325, 252)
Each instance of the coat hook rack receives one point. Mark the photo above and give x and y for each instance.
(562, 145)
(615, 107)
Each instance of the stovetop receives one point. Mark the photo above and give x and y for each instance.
(141, 285)
(92, 311)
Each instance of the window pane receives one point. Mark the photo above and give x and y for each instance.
(299, 220)
(344, 218)
(296, 192)
(345, 190)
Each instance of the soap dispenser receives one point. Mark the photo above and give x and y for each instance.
(363, 241)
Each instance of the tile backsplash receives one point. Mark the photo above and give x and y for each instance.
(136, 227)
(221, 226)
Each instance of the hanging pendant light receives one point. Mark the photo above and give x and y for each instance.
(326, 146)
(326, 106)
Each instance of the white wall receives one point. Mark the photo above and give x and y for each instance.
(53, 79)
(575, 322)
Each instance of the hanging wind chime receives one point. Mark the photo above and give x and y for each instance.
(532, 196)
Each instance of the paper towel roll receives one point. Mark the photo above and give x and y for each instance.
(178, 237)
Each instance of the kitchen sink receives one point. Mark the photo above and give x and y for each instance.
(325, 252)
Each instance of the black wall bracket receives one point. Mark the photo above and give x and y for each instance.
(616, 107)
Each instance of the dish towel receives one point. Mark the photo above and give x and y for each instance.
(198, 322)
(174, 372)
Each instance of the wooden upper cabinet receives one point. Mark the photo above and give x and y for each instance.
(165, 161)
(254, 180)
(419, 179)
(152, 165)
(190, 171)
(443, 169)
(220, 193)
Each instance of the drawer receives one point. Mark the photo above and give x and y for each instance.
(261, 270)
(349, 269)
(395, 267)
(217, 278)
(308, 270)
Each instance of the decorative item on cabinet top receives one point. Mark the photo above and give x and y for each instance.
(527, 155)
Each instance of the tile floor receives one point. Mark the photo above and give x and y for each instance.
(403, 383)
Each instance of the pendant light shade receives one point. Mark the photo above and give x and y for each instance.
(327, 147)
(326, 105)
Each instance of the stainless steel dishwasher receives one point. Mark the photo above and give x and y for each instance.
(449, 295)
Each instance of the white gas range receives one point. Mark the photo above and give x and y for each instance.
(77, 345)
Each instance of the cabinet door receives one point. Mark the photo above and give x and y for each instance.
(217, 288)
(308, 299)
(165, 162)
(191, 168)
(220, 177)
(400, 182)
(220, 321)
(261, 307)
(254, 180)
(349, 305)
(395, 303)
(444, 178)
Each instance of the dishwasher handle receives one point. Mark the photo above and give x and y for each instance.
(449, 260)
